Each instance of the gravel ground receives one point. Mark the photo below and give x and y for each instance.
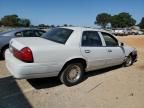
(116, 87)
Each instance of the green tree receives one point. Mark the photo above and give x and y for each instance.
(10, 20)
(103, 19)
(115, 21)
(24, 22)
(15, 21)
(43, 26)
(65, 25)
(141, 24)
(52, 26)
(122, 20)
(58, 26)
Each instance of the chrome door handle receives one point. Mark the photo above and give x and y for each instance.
(109, 50)
(87, 51)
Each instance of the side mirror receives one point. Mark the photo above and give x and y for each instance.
(121, 44)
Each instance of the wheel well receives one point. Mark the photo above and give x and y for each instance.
(76, 60)
(131, 54)
(4, 47)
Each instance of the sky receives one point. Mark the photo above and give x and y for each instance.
(74, 12)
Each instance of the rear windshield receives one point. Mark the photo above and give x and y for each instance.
(59, 35)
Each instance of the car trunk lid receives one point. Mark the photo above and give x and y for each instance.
(32, 42)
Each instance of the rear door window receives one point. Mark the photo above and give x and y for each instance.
(91, 39)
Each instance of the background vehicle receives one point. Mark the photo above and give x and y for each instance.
(66, 52)
(136, 32)
(120, 32)
(5, 37)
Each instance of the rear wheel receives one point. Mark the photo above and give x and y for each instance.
(129, 61)
(72, 74)
(3, 53)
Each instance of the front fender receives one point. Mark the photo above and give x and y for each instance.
(128, 50)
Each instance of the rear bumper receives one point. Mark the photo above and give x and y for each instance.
(23, 70)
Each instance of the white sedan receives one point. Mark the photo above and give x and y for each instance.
(66, 52)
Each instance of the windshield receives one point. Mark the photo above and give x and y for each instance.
(59, 35)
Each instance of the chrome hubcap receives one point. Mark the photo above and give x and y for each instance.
(129, 60)
(74, 74)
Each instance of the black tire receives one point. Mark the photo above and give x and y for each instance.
(65, 75)
(3, 53)
(129, 61)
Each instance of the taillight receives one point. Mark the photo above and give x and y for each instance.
(24, 54)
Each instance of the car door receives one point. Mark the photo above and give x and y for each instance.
(92, 49)
(115, 52)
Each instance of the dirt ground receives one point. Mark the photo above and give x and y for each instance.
(116, 87)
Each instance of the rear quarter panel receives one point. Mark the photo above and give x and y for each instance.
(56, 56)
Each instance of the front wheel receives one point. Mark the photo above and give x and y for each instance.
(129, 61)
(72, 74)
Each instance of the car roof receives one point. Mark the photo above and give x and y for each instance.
(21, 29)
(12, 31)
(86, 28)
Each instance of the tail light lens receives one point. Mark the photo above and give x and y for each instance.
(24, 54)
